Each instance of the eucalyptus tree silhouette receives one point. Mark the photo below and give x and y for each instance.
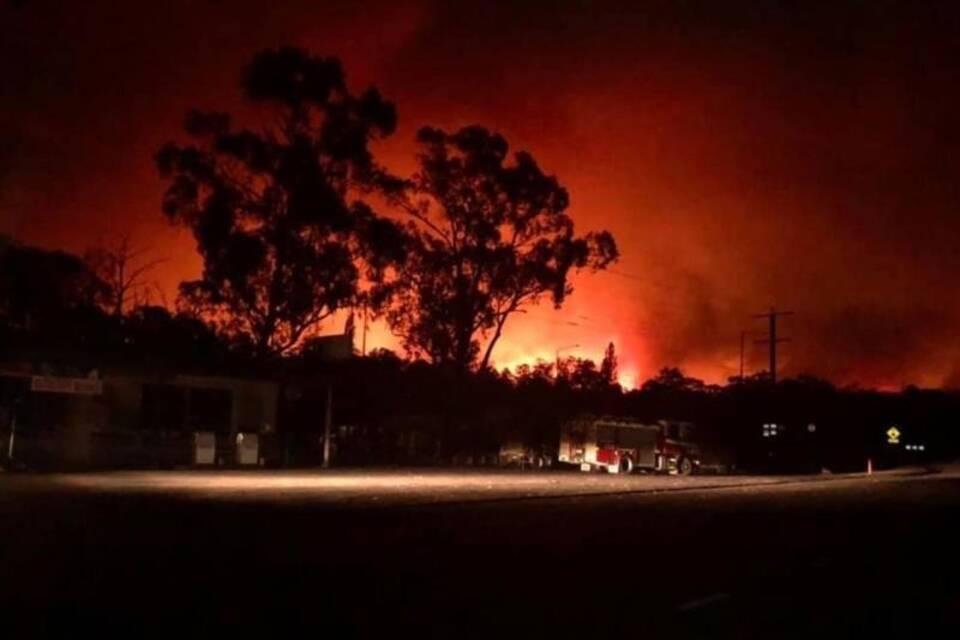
(276, 209)
(489, 235)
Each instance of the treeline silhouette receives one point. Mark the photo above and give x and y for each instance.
(459, 414)
(283, 217)
(55, 309)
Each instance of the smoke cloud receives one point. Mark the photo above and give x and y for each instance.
(744, 155)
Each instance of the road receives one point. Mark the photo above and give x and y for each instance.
(450, 554)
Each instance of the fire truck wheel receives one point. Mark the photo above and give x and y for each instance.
(626, 465)
(685, 467)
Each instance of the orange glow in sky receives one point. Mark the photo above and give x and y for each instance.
(740, 160)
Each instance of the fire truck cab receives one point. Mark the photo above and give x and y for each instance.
(622, 445)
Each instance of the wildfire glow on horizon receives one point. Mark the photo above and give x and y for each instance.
(741, 159)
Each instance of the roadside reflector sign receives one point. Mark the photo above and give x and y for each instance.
(893, 435)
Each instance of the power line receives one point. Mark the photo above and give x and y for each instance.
(624, 274)
(651, 282)
(544, 315)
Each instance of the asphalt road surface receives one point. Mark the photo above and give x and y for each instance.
(452, 555)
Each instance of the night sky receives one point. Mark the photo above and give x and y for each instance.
(743, 154)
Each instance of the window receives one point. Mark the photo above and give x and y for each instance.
(210, 410)
(163, 407)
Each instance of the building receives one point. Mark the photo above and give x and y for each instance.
(66, 417)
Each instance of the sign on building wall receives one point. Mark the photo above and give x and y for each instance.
(79, 386)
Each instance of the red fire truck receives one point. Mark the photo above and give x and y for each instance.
(622, 445)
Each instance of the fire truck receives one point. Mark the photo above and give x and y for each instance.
(621, 445)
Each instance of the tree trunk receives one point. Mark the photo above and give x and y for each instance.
(493, 342)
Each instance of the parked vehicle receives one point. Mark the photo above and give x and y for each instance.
(514, 454)
(622, 445)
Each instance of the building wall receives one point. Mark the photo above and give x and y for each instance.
(124, 397)
(111, 429)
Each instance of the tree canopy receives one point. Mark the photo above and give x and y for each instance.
(489, 234)
(124, 270)
(609, 370)
(276, 210)
(44, 292)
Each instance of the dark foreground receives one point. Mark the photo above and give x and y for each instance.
(480, 555)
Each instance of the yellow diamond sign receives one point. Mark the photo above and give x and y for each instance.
(893, 435)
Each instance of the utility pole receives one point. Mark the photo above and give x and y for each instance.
(13, 434)
(14, 405)
(772, 338)
(327, 425)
